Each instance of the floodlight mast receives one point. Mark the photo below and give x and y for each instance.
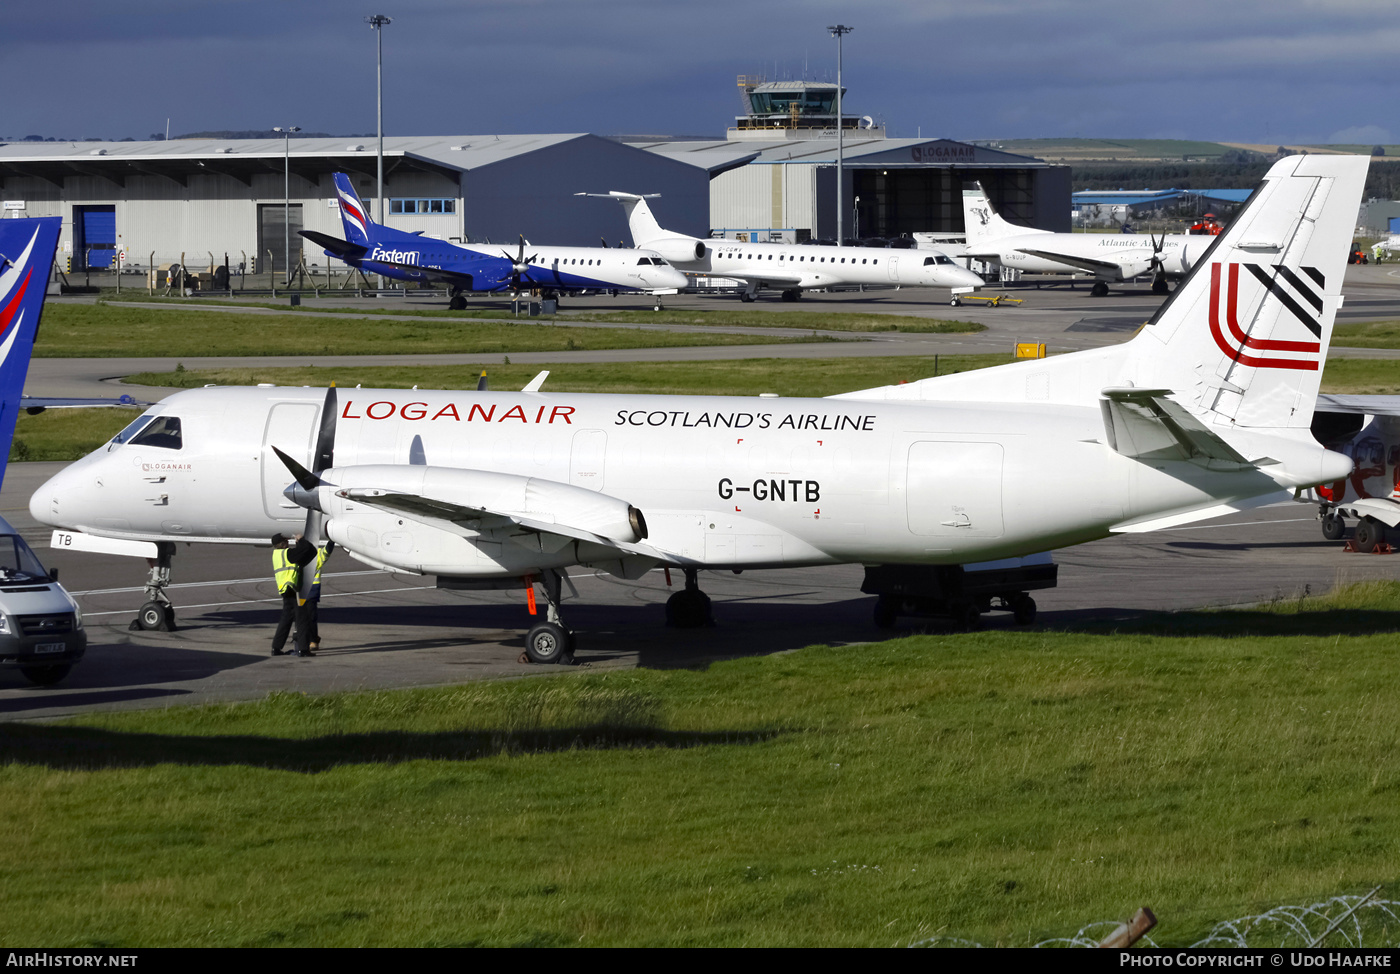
(286, 196)
(839, 31)
(378, 22)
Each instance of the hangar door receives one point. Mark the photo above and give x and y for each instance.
(94, 236)
(273, 233)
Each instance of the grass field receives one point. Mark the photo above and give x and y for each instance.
(1367, 334)
(1000, 786)
(87, 331)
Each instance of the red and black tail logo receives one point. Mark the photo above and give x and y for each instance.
(1264, 353)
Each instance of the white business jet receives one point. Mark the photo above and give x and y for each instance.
(1111, 257)
(791, 268)
(1205, 411)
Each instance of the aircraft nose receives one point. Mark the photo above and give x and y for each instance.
(62, 500)
(965, 278)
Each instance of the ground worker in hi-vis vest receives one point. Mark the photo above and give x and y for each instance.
(287, 565)
(313, 598)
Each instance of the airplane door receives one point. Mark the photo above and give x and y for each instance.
(894, 268)
(587, 458)
(954, 489)
(290, 427)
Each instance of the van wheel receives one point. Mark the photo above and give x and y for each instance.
(46, 676)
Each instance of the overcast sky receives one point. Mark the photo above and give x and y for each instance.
(1279, 71)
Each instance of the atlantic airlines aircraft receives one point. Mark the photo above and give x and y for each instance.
(1111, 257)
(792, 268)
(1205, 411)
(377, 249)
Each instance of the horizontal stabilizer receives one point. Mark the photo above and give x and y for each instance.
(1159, 523)
(1146, 424)
(1359, 405)
(343, 249)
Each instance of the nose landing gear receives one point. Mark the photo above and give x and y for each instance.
(157, 614)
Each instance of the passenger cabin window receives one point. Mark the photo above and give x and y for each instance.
(163, 433)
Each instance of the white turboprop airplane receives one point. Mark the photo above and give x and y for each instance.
(1205, 411)
(791, 268)
(1111, 257)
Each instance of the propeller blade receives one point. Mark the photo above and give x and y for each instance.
(481, 382)
(307, 480)
(324, 457)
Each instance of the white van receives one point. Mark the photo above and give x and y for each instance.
(41, 626)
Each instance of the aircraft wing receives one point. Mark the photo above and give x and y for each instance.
(1087, 263)
(34, 405)
(1145, 424)
(787, 280)
(457, 518)
(1359, 405)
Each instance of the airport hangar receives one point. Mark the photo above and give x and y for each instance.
(207, 198)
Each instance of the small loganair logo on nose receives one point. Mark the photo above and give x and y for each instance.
(1233, 341)
(148, 467)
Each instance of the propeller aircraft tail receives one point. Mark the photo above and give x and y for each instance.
(26, 259)
(354, 215)
(982, 222)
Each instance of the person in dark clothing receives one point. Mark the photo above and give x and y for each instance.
(313, 596)
(287, 565)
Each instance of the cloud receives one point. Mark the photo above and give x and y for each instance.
(1360, 134)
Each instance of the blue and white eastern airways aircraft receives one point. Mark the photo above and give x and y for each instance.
(377, 249)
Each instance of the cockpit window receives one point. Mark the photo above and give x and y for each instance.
(659, 261)
(937, 260)
(132, 428)
(164, 433)
(18, 561)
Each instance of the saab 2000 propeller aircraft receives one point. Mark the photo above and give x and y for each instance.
(1111, 257)
(1205, 411)
(792, 268)
(377, 249)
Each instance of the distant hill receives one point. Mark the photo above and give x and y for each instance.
(1074, 151)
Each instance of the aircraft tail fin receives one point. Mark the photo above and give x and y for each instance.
(26, 261)
(640, 220)
(1243, 340)
(353, 213)
(982, 222)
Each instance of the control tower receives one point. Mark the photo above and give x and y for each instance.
(795, 110)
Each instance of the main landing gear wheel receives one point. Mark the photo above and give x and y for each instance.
(156, 617)
(746, 297)
(1022, 609)
(45, 676)
(1333, 527)
(886, 612)
(792, 295)
(966, 616)
(548, 642)
(458, 303)
(1099, 290)
(1369, 533)
(690, 607)
(956, 302)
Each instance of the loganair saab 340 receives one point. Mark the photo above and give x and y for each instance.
(377, 249)
(1111, 257)
(1205, 411)
(792, 268)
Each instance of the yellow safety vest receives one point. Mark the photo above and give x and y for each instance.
(321, 555)
(284, 572)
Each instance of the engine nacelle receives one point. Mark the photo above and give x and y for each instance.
(678, 250)
(404, 541)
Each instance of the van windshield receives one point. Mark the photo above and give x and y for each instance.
(18, 563)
